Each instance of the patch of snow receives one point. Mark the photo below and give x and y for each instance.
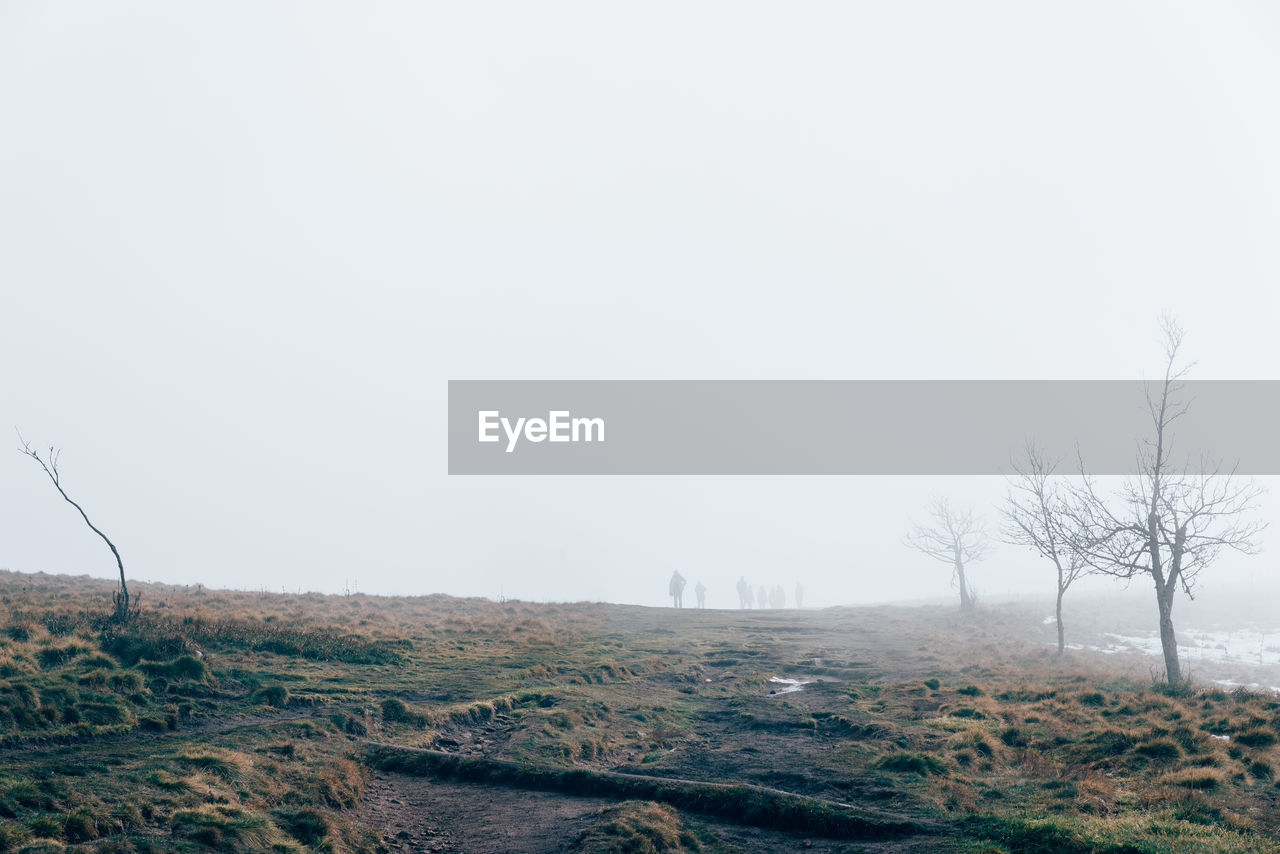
(1079, 646)
(789, 686)
(1246, 646)
(1252, 686)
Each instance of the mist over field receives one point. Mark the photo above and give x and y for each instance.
(244, 251)
(242, 254)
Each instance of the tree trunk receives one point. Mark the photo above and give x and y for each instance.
(966, 601)
(1164, 595)
(1058, 616)
(121, 600)
(1168, 641)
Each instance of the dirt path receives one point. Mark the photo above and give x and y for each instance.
(416, 814)
(420, 814)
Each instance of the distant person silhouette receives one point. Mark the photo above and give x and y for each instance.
(701, 592)
(762, 596)
(744, 592)
(777, 597)
(676, 588)
(799, 595)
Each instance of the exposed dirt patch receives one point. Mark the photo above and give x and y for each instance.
(770, 749)
(487, 739)
(419, 814)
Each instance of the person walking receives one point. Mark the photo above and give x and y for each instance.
(676, 588)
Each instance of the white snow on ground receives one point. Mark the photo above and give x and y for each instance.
(789, 686)
(1242, 649)
(1252, 686)
(1242, 646)
(1105, 650)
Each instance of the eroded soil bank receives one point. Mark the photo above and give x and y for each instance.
(417, 814)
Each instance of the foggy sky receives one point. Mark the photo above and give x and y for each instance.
(243, 248)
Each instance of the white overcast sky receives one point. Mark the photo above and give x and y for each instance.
(244, 246)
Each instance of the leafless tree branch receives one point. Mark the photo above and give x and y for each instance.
(49, 463)
(956, 536)
(1036, 516)
(1166, 522)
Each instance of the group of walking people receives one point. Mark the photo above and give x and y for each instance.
(766, 597)
(762, 597)
(676, 589)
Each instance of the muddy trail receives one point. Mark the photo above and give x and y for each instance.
(760, 714)
(421, 814)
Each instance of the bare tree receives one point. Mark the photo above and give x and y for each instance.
(957, 537)
(1036, 516)
(124, 612)
(1167, 522)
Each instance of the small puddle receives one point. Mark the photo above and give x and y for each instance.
(788, 686)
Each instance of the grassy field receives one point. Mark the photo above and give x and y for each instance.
(232, 721)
